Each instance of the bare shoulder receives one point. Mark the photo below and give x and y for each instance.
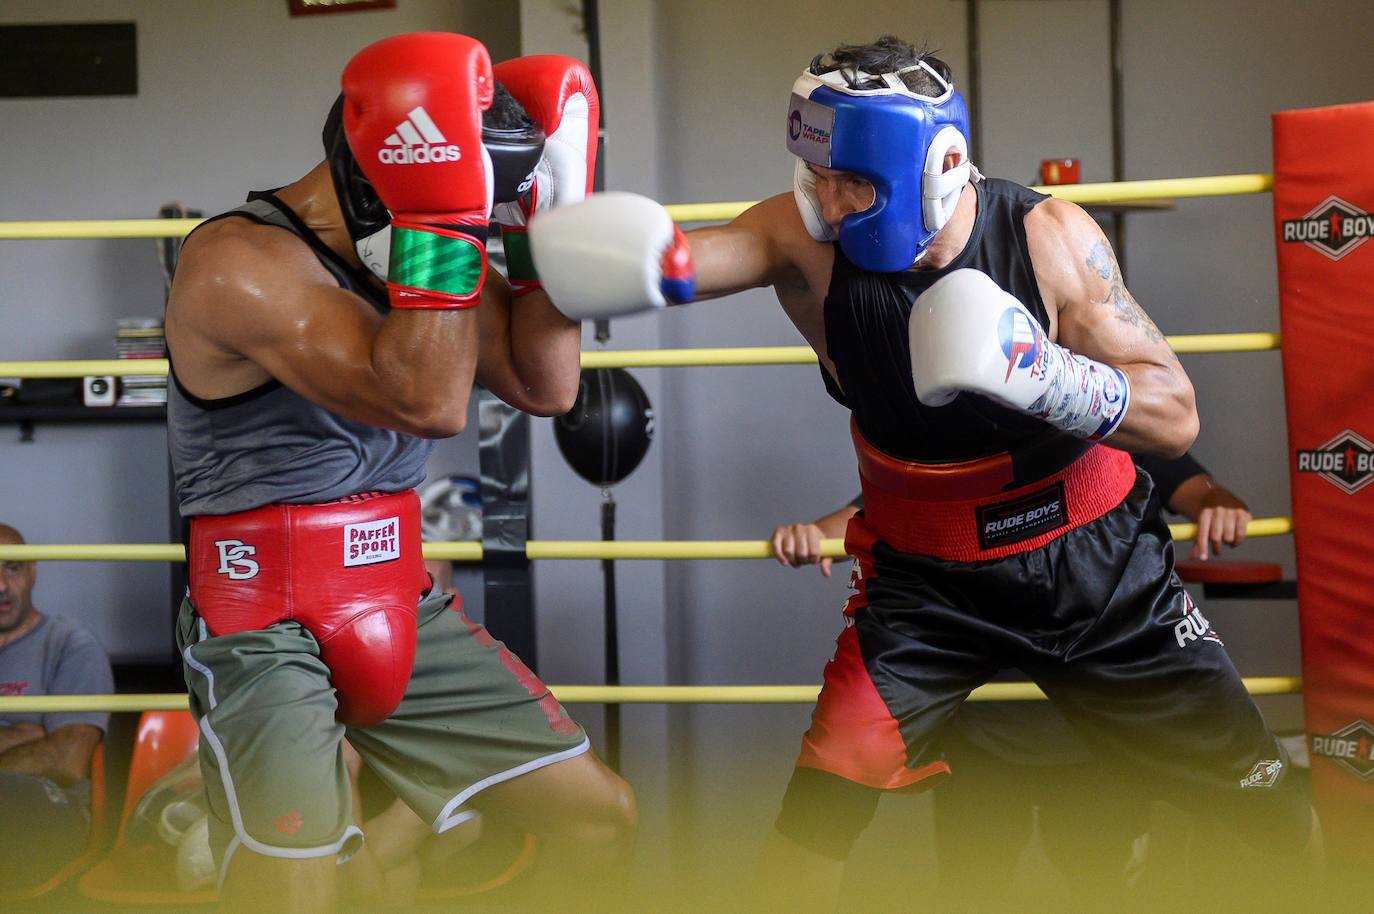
(777, 220)
(235, 274)
(1076, 265)
(804, 262)
(237, 254)
(1062, 237)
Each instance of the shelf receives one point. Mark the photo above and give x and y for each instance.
(13, 414)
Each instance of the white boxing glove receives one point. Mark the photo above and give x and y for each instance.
(611, 255)
(967, 334)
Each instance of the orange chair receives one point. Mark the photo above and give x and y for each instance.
(95, 842)
(146, 873)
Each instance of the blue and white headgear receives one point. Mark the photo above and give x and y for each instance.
(875, 127)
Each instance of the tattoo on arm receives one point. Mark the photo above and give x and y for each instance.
(1102, 261)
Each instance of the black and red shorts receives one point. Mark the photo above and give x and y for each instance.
(1068, 578)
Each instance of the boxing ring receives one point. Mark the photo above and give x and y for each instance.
(1335, 579)
(547, 550)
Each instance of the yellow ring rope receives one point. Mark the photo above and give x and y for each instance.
(1187, 343)
(534, 549)
(594, 694)
(1115, 192)
(1110, 192)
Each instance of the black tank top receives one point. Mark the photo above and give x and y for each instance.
(866, 317)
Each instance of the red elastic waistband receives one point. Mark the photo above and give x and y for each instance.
(971, 511)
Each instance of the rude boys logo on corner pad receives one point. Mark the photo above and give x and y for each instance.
(1346, 461)
(1351, 747)
(1333, 228)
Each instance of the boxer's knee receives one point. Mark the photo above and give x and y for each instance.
(256, 882)
(603, 829)
(826, 813)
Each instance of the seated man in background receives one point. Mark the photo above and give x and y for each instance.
(1017, 763)
(45, 759)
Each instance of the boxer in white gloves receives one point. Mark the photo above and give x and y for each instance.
(983, 338)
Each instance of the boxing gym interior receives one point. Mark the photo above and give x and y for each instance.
(622, 550)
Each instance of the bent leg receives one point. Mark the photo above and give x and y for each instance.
(271, 754)
(577, 807)
(258, 883)
(478, 731)
(803, 860)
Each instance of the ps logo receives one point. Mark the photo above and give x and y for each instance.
(234, 561)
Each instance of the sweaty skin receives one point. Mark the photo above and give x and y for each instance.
(251, 303)
(1090, 310)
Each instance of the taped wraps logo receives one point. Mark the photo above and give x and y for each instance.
(809, 126)
(1346, 461)
(1020, 338)
(1333, 228)
(1351, 747)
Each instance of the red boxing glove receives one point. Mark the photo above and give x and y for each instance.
(559, 95)
(413, 117)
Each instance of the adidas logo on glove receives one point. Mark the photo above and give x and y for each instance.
(418, 141)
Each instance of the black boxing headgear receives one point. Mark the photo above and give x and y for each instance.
(367, 220)
(514, 145)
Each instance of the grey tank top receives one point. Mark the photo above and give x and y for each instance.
(270, 445)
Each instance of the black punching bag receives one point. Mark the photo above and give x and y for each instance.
(607, 432)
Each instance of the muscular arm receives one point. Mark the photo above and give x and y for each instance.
(1098, 317)
(530, 354)
(18, 734)
(62, 756)
(745, 253)
(255, 299)
(768, 245)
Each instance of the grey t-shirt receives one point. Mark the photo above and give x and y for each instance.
(56, 657)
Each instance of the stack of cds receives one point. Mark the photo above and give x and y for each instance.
(141, 338)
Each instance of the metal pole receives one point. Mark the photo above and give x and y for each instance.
(1118, 129)
(975, 79)
(503, 450)
(612, 633)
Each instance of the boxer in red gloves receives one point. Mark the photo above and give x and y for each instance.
(322, 335)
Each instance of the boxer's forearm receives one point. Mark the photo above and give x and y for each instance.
(546, 351)
(19, 734)
(1162, 418)
(529, 354)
